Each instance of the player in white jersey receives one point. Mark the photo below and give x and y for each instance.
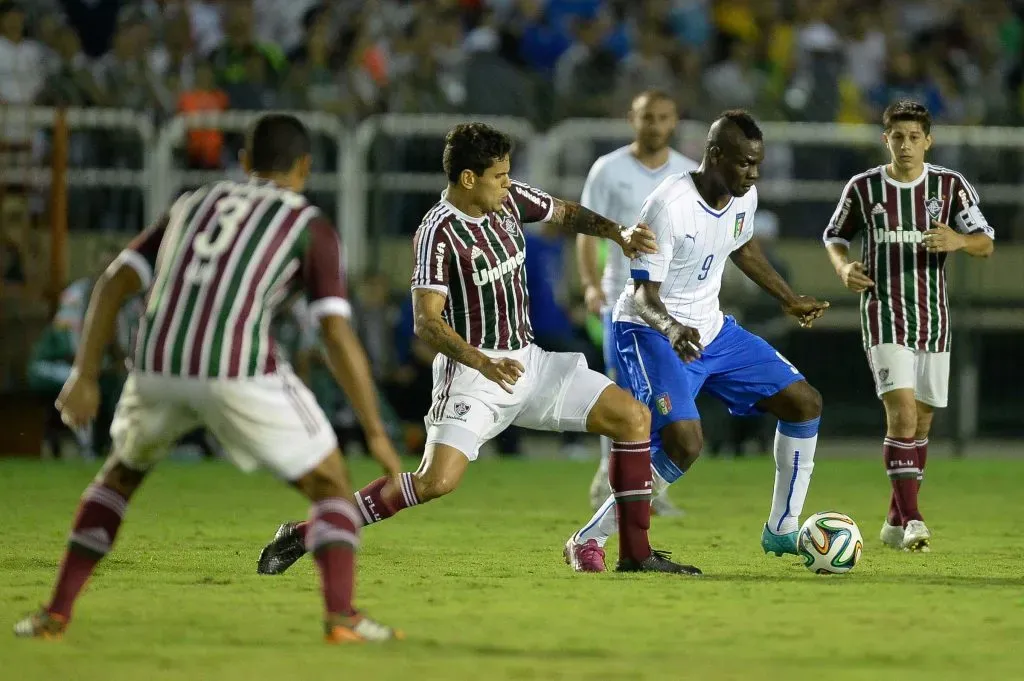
(673, 340)
(616, 187)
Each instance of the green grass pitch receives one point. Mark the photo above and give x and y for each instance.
(478, 583)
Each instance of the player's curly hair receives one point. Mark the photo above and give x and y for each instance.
(907, 110)
(473, 146)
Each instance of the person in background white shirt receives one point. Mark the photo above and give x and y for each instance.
(21, 75)
(616, 187)
(673, 341)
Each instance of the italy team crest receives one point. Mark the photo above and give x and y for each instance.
(738, 228)
(934, 207)
(663, 403)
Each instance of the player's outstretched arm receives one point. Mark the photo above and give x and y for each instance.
(431, 328)
(751, 260)
(685, 340)
(573, 218)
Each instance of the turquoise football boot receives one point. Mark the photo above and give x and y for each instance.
(778, 543)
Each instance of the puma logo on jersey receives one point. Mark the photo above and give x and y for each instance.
(691, 237)
(486, 276)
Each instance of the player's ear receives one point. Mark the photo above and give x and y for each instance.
(467, 179)
(927, 141)
(305, 166)
(243, 159)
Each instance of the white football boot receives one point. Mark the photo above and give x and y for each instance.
(916, 537)
(891, 535)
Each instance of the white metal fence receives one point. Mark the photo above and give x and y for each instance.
(555, 160)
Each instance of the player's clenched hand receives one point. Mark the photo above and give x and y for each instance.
(685, 341)
(942, 239)
(637, 240)
(806, 309)
(79, 400)
(505, 372)
(383, 451)
(853, 277)
(593, 296)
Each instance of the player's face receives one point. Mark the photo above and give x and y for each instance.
(654, 121)
(740, 168)
(491, 189)
(907, 144)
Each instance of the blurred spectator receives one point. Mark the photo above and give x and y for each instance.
(735, 81)
(205, 148)
(907, 79)
(647, 66)
(174, 60)
(241, 58)
(21, 59)
(125, 71)
(865, 48)
(586, 74)
(71, 82)
(95, 21)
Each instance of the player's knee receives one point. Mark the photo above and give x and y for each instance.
(634, 422)
(684, 448)
(809, 404)
(120, 478)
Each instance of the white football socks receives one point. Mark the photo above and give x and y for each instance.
(794, 462)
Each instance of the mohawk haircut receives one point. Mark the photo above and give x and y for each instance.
(744, 121)
(475, 147)
(276, 143)
(907, 110)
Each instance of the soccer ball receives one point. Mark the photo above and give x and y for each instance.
(829, 543)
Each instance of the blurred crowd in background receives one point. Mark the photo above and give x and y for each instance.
(815, 60)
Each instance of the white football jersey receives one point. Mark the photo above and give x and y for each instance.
(694, 243)
(617, 186)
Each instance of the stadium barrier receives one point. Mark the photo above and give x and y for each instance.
(557, 160)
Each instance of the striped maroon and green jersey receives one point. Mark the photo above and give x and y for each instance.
(908, 305)
(478, 264)
(218, 267)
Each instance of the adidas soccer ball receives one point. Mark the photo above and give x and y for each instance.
(829, 543)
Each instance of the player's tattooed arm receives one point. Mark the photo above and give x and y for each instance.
(572, 218)
(752, 262)
(431, 328)
(685, 340)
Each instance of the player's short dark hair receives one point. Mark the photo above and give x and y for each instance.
(745, 122)
(473, 146)
(276, 143)
(907, 110)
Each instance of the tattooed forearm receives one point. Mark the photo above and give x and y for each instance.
(573, 218)
(437, 334)
(750, 259)
(650, 307)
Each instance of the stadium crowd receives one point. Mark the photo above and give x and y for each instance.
(816, 60)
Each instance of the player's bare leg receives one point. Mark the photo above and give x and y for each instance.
(439, 474)
(904, 468)
(333, 537)
(628, 422)
(95, 527)
(798, 408)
